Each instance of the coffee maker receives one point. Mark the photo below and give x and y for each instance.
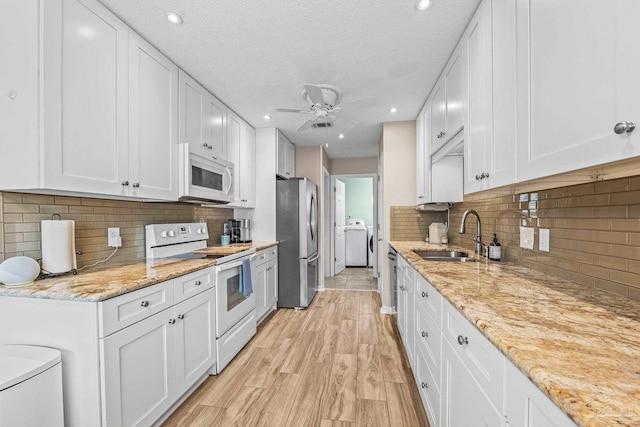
(239, 230)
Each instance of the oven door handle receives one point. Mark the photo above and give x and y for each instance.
(234, 264)
(313, 259)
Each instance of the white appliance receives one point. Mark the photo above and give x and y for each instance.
(355, 233)
(370, 256)
(30, 386)
(235, 314)
(204, 179)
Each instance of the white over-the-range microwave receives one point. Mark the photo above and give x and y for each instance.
(204, 179)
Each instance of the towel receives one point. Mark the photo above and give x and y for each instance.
(246, 285)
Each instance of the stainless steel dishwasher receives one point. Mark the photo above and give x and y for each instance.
(393, 256)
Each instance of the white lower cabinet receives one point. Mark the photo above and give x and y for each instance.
(463, 379)
(265, 282)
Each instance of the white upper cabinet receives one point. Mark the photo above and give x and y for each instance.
(422, 148)
(241, 142)
(438, 120)
(286, 157)
(447, 103)
(85, 111)
(577, 78)
(202, 119)
(490, 130)
(153, 122)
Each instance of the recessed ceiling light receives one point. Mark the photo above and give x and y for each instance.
(393, 109)
(267, 117)
(341, 136)
(174, 18)
(423, 4)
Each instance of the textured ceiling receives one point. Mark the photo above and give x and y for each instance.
(257, 54)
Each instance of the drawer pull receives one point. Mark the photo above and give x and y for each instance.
(180, 316)
(462, 340)
(425, 334)
(425, 295)
(144, 304)
(424, 385)
(198, 283)
(172, 321)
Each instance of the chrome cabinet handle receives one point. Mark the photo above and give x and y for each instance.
(462, 340)
(425, 295)
(425, 334)
(478, 177)
(180, 316)
(172, 321)
(136, 184)
(198, 283)
(144, 304)
(484, 175)
(623, 127)
(125, 183)
(424, 385)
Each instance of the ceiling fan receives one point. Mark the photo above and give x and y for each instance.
(325, 107)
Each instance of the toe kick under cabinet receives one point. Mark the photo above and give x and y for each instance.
(127, 360)
(463, 379)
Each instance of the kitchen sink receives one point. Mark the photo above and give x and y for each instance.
(451, 256)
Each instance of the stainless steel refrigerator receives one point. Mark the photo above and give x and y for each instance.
(297, 234)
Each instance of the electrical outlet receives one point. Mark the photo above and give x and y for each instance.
(114, 239)
(543, 240)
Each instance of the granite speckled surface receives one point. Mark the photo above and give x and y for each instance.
(99, 284)
(580, 346)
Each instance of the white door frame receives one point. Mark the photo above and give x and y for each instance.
(328, 227)
(374, 177)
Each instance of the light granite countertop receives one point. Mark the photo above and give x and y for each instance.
(108, 281)
(580, 346)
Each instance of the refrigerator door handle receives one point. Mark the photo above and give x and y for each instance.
(313, 259)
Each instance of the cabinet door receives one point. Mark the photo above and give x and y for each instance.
(233, 147)
(438, 115)
(247, 165)
(423, 170)
(85, 104)
(138, 371)
(153, 122)
(191, 110)
(464, 403)
(215, 122)
(527, 406)
(454, 93)
(282, 156)
(576, 80)
(290, 150)
(477, 51)
(195, 339)
(401, 317)
(260, 289)
(272, 283)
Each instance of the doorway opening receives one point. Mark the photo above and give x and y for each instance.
(353, 236)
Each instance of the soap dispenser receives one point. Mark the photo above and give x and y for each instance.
(495, 249)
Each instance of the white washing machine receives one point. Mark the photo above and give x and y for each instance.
(355, 233)
(30, 386)
(370, 246)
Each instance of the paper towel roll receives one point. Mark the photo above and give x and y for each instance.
(58, 246)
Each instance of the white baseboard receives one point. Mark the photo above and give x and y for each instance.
(387, 310)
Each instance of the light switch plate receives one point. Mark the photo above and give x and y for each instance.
(543, 240)
(526, 237)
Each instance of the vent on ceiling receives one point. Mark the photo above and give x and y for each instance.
(320, 125)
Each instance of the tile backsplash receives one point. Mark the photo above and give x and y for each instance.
(594, 231)
(20, 217)
(407, 223)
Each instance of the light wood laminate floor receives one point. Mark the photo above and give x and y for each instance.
(338, 363)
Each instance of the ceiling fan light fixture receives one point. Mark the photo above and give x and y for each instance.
(423, 4)
(174, 18)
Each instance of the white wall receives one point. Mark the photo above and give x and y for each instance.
(354, 165)
(264, 216)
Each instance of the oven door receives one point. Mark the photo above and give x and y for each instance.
(231, 304)
(206, 179)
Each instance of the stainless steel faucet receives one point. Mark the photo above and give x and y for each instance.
(478, 238)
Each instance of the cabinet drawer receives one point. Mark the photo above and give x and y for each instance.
(127, 309)
(192, 284)
(429, 394)
(430, 299)
(484, 361)
(266, 255)
(429, 341)
(230, 344)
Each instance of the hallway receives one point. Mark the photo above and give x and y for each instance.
(353, 279)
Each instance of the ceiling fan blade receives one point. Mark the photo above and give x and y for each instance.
(357, 104)
(306, 125)
(315, 94)
(345, 122)
(289, 110)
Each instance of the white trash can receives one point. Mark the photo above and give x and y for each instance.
(30, 386)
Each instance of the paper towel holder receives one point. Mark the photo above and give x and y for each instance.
(43, 273)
